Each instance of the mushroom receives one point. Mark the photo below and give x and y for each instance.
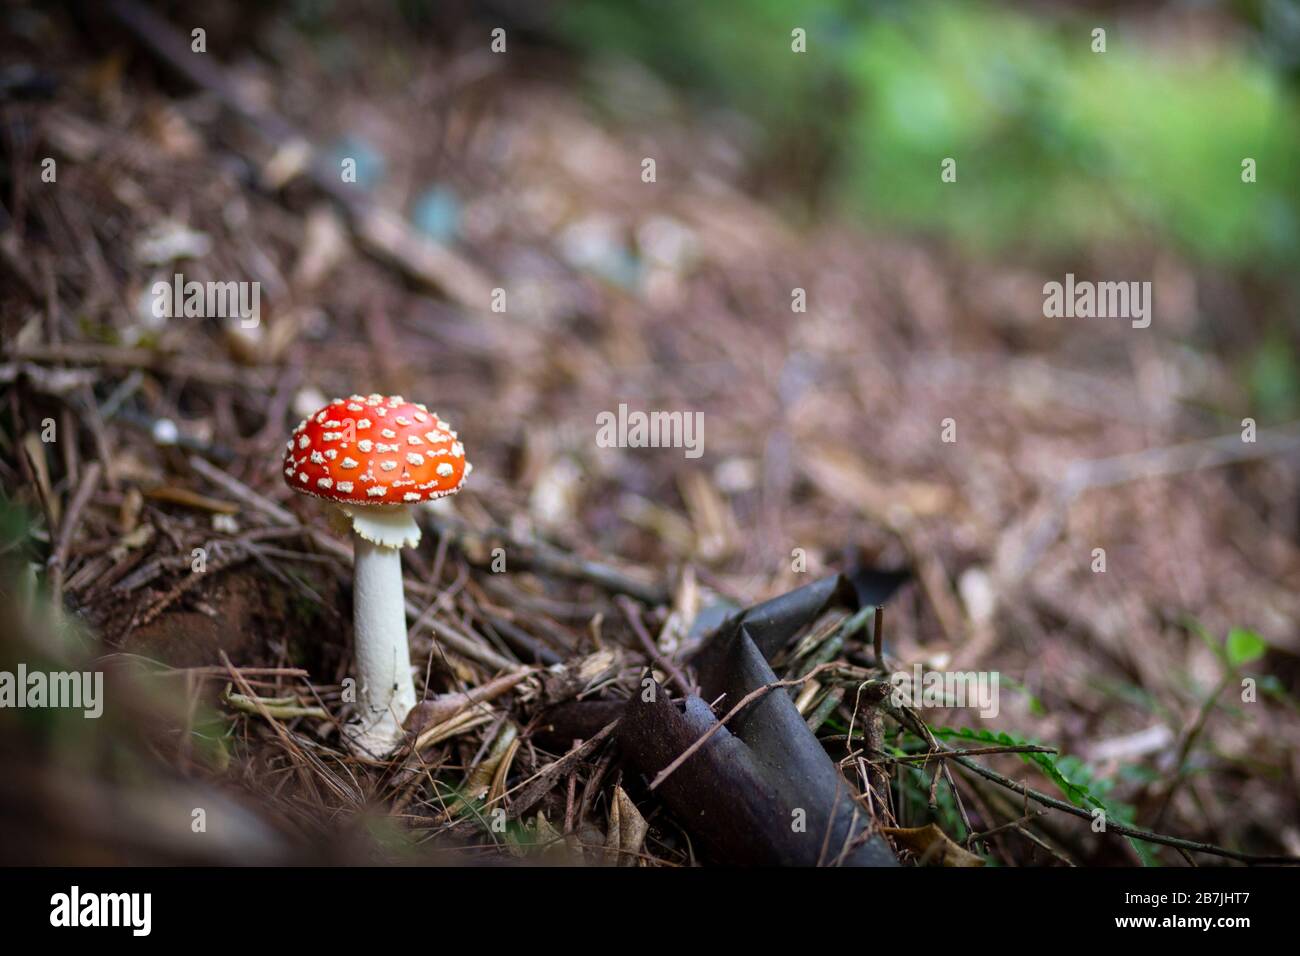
(376, 457)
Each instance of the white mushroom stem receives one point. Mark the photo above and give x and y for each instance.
(385, 692)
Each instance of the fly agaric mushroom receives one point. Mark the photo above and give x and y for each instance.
(376, 457)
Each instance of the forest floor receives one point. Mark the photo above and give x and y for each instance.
(824, 448)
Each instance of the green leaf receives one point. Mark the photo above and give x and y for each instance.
(1070, 774)
(1077, 793)
(1244, 647)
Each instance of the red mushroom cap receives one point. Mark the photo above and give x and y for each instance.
(375, 450)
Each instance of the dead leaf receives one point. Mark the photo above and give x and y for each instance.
(170, 240)
(442, 707)
(626, 833)
(324, 245)
(551, 845)
(841, 475)
(932, 846)
(574, 678)
(711, 517)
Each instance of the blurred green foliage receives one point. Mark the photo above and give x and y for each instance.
(15, 528)
(1056, 146)
(1273, 377)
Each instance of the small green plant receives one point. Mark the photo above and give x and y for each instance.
(1072, 776)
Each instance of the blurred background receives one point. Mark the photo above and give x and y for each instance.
(521, 171)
